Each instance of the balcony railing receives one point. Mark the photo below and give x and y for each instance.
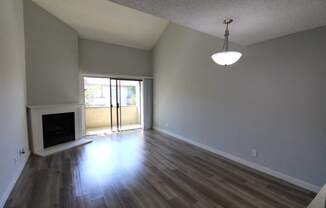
(99, 117)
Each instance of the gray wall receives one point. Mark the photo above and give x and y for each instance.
(13, 134)
(102, 58)
(272, 100)
(51, 58)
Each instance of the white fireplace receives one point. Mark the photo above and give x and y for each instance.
(37, 115)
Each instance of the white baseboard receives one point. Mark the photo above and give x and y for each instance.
(13, 181)
(290, 179)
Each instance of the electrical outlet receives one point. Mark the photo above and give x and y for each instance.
(254, 153)
(21, 152)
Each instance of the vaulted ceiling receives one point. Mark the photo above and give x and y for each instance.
(255, 20)
(139, 23)
(106, 21)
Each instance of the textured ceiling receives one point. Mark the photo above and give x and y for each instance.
(106, 21)
(255, 20)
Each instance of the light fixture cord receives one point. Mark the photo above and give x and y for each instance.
(226, 38)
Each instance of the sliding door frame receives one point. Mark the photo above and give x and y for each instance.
(109, 76)
(118, 102)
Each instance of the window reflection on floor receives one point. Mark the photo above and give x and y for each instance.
(107, 131)
(117, 157)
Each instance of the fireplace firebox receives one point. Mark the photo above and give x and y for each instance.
(58, 128)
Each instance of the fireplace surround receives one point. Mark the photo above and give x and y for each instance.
(54, 128)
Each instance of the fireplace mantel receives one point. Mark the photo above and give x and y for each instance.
(35, 113)
(53, 106)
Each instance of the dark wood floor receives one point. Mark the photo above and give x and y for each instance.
(147, 169)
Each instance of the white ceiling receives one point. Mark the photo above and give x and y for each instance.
(103, 20)
(255, 20)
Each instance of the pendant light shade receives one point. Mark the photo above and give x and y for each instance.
(226, 57)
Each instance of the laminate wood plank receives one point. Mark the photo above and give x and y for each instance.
(139, 169)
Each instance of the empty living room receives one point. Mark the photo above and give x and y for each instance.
(162, 104)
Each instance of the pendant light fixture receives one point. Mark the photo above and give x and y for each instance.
(226, 57)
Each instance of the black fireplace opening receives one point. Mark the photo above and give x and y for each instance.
(58, 128)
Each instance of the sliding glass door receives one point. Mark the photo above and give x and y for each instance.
(112, 105)
(125, 104)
